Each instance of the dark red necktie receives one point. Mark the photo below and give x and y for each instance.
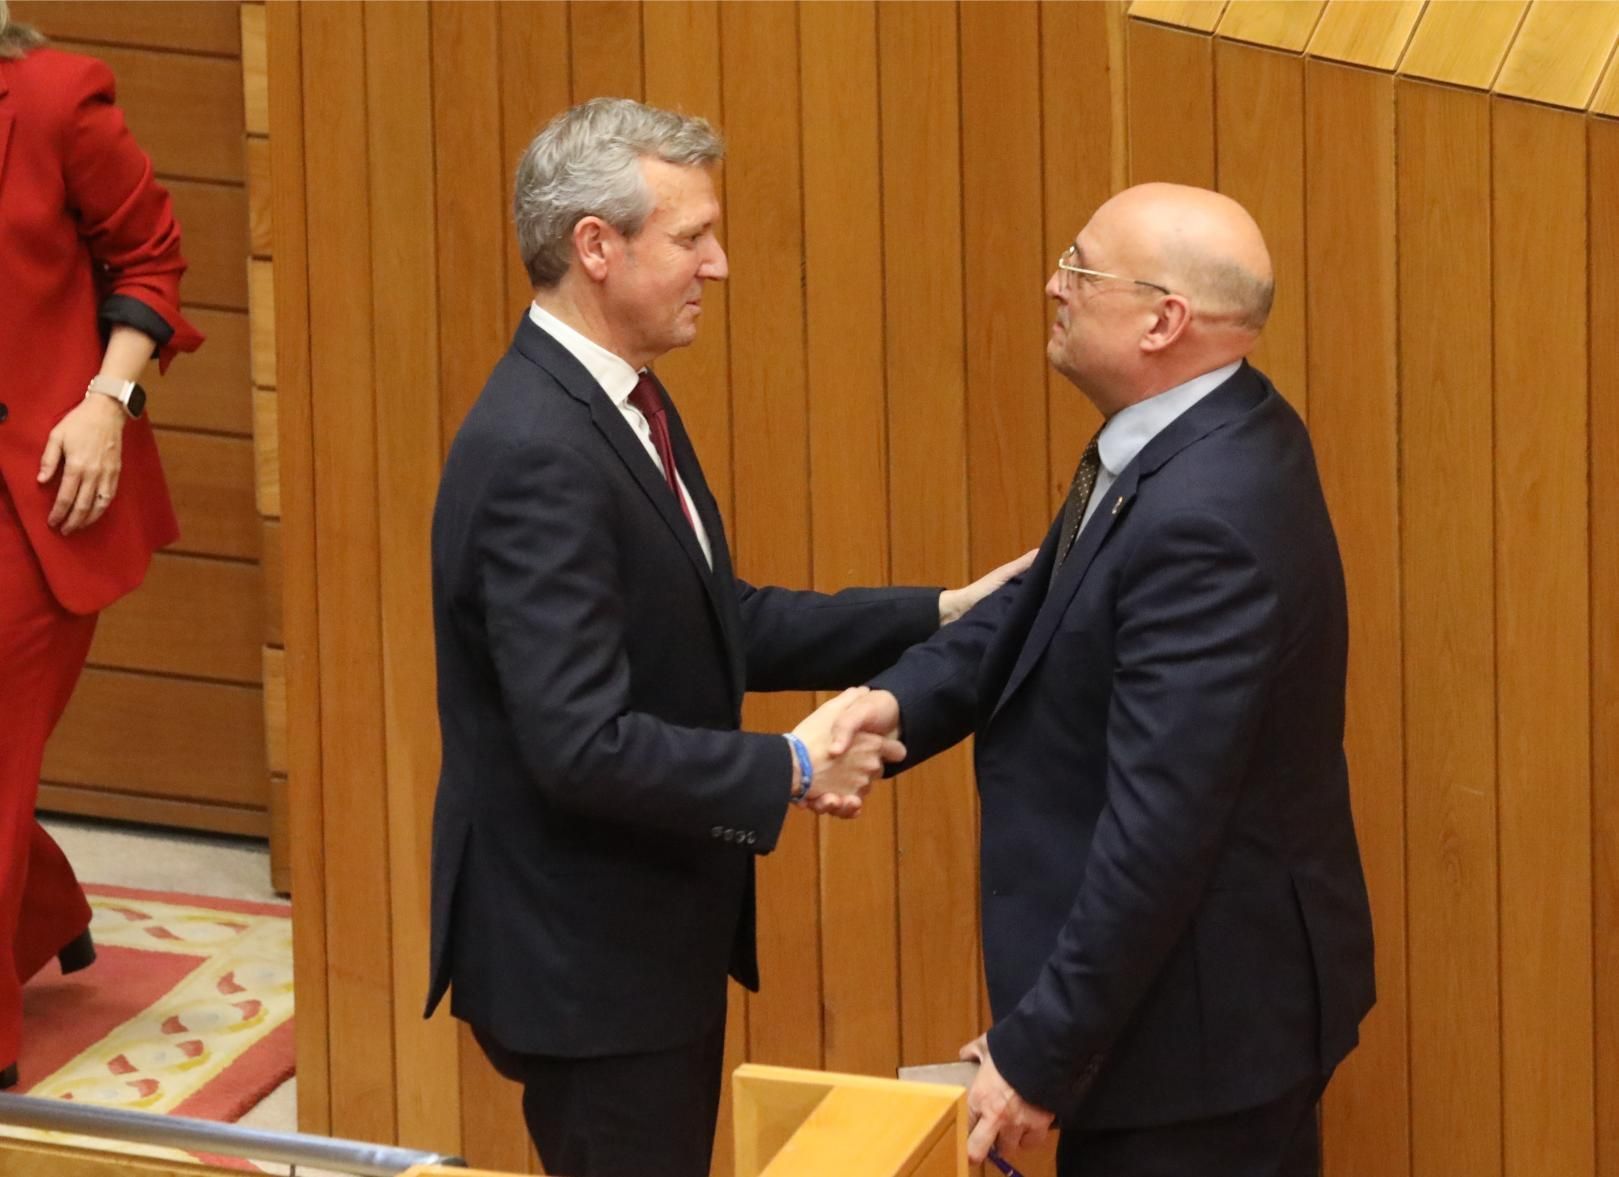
(649, 402)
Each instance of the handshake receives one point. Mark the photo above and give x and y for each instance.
(850, 739)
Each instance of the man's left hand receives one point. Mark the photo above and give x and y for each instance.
(954, 603)
(997, 1116)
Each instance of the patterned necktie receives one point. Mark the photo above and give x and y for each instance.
(646, 399)
(1079, 497)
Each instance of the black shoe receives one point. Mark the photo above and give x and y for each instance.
(79, 954)
(8, 1077)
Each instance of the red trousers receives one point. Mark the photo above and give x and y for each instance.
(42, 651)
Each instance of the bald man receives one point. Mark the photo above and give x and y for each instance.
(1176, 932)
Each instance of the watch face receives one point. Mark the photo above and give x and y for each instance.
(137, 401)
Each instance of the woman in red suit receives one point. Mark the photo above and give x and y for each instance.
(89, 291)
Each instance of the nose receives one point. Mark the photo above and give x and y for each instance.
(1054, 286)
(715, 267)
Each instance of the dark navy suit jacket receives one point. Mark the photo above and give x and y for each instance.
(598, 811)
(1175, 919)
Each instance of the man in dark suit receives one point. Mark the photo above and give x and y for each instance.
(598, 809)
(1176, 932)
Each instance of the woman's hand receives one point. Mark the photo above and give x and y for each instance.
(88, 445)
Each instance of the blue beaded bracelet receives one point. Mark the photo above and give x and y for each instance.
(806, 769)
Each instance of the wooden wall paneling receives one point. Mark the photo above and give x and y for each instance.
(605, 42)
(213, 228)
(473, 186)
(1463, 44)
(193, 616)
(166, 25)
(404, 296)
(166, 737)
(280, 835)
(275, 709)
(1560, 51)
(1171, 109)
(1275, 24)
(1606, 101)
(1006, 267)
(211, 483)
(1350, 260)
(473, 176)
(1199, 15)
(1603, 171)
(299, 613)
(160, 94)
(1543, 639)
(925, 329)
(682, 49)
(212, 816)
(534, 65)
(1259, 121)
(843, 254)
(266, 459)
(1080, 55)
(1447, 541)
(759, 67)
(261, 319)
(208, 389)
(260, 207)
(255, 71)
(342, 375)
(1370, 33)
(272, 569)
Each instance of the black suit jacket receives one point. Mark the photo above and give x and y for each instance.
(598, 811)
(1175, 918)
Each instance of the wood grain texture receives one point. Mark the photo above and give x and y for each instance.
(280, 836)
(770, 424)
(1603, 172)
(1463, 44)
(534, 66)
(1350, 274)
(211, 483)
(255, 71)
(210, 388)
(1560, 51)
(160, 95)
(159, 736)
(1606, 102)
(213, 232)
(260, 207)
(1448, 544)
(261, 319)
(343, 382)
(299, 611)
(106, 805)
(605, 38)
(166, 25)
(1543, 638)
(273, 569)
(924, 327)
(1171, 112)
(1259, 125)
(404, 295)
(266, 455)
(274, 663)
(1370, 33)
(1081, 47)
(193, 616)
(1198, 15)
(1005, 269)
(1274, 24)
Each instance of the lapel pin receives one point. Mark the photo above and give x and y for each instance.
(1117, 503)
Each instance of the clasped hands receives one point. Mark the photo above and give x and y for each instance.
(850, 739)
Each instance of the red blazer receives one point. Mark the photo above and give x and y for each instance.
(85, 232)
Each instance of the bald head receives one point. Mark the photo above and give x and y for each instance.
(1198, 243)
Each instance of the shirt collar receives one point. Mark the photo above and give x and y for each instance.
(1129, 430)
(616, 377)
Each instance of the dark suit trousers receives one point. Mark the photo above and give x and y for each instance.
(1276, 1139)
(634, 1115)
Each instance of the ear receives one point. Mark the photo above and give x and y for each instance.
(593, 240)
(1174, 314)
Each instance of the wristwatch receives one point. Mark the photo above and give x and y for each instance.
(126, 392)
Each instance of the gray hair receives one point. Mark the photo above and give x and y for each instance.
(586, 162)
(15, 39)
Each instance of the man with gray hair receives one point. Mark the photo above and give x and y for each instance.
(598, 809)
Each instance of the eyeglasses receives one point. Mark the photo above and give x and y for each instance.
(1066, 264)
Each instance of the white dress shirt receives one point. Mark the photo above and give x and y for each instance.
(617, 380)
(1129, 430)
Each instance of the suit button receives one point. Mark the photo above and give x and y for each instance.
(717, 832)
(730, 835)
(752, 838)
(3, 412)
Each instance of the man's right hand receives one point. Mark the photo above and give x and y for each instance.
(871, 713)
(844, 775)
